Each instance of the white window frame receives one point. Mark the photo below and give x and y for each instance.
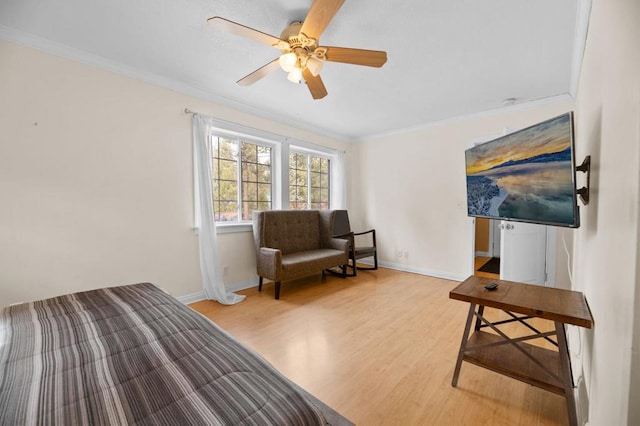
(280, 146)
(315, 153)
(239, 197)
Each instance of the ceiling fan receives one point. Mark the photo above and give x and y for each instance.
(302, 56)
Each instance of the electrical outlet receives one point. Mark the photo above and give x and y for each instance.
(399, 253)
(225, 271)
(405, 254)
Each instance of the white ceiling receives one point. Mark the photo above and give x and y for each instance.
(446, 58)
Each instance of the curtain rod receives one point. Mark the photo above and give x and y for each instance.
(286, 138)
(230, 123)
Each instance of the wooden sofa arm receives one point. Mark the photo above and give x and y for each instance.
(373, 231)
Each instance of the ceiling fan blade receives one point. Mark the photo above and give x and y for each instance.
(319, 16)
(243, 31)
(315, 84)
(259, 73)
(369, 58)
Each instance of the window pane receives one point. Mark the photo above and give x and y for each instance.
(316, 195)
(249, 152)
(308, 176)
(298, 206)
(225, 169)
(224, 148)
(316, 179)
(264, 174)
(250, 172)
(225, 211)
(264, 155)
(249, 191)
(301, 178)
(242, 179)
(324, 181)
(264, 192)
(255, 163)
(316, 163)
(248, 207)
(302, 194)
(293, 197)
(228, 190)
(298, 161)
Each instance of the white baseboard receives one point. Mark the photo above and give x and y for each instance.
(244, 285)
(196, 297)
(191, 298)
(420, 271)
(483, 254)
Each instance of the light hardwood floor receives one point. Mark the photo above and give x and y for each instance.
(380, 348)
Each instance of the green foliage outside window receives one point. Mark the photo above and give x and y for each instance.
(254, 193)
(242, 180)
(308, 181)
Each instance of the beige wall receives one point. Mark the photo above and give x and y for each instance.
(95, 190)
(96, 181)
(606, 245)
(411, 187)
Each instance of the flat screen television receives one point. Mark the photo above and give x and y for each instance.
(526, 176)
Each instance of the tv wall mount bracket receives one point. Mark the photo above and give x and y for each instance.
(585, 167)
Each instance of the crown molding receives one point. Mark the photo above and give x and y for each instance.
(565, 97)
(67, 52)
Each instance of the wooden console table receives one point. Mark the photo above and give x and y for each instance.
(513, 357)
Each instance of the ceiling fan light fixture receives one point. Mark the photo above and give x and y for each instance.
(300, 56)
(295, 75)
(288, 61)
(314, 65)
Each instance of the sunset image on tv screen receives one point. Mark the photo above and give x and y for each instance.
(527, 175)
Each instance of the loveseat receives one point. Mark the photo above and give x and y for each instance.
(296, 243)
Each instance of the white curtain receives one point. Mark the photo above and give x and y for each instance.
(339, 180)
(209, 263)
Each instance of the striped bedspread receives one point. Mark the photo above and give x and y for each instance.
(135, 355)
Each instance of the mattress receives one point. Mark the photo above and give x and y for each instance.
(135, 355)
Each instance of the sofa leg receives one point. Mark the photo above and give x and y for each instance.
(277, 290)
(260, 284)
(344, 271)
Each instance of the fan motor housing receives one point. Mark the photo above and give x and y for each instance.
(298, 40)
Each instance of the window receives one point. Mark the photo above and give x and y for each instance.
(241, 173)
(255, 170)
(308, 181)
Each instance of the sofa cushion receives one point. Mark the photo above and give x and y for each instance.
(292, 231)
(310, 261)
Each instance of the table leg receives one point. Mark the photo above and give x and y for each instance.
(463, 344)
(567, 375)
(478, 320)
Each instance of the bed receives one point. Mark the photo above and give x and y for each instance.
(135, 355)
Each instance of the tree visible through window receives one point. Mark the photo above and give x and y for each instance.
(237, 161)
(308, 181)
